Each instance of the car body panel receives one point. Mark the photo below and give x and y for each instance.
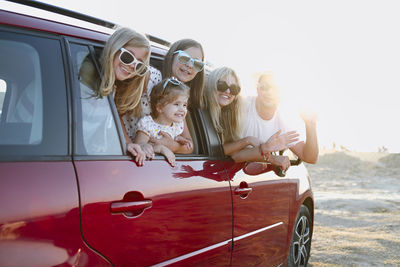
(261, 215)
(188, 212)
(39, 218)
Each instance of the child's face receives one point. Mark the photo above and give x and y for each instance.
(175, 111)
(185, 72)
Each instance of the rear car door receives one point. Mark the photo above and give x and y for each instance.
(261, 201)
(150, 215)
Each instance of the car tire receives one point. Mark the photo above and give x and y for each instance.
(300, 245)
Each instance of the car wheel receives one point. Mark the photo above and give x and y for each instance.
(300, 245)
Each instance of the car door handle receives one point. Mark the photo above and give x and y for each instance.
(243, 191)
(132, 206)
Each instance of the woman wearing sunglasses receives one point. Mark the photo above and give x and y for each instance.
(185, 61)
(223, 101)
(125, 63)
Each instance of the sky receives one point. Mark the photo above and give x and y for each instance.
(340, 58)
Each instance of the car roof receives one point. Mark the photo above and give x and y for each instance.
(44, 17)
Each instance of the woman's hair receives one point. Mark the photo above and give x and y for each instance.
(129, 92)
(163, 95)
(226, 120)
(196, 85)
(89, 75)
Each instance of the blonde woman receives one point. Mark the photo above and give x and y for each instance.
(125, 64)
(223, 101)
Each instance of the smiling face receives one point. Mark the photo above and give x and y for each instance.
(226, 98)
(185, 72)
(174, 111)
(267, 92)
(124, 72)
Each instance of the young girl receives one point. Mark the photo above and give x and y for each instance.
(223, 101)
(168, 101)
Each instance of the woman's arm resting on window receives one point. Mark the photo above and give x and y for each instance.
(235, 146)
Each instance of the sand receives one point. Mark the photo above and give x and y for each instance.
(357, 209)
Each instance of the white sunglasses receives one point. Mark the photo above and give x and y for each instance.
(185, 58)
(127, 58)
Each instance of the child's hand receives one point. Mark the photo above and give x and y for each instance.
(184, 141)
(137, 152)
(148, 150)
(164, 140)
(169, 155)
(279, 141)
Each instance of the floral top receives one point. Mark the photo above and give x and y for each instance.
(131, 122)
(153, 129)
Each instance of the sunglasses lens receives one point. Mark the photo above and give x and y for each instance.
(198, 65)
(222, 86)
(235, 89)
(141, 69)
(126, 58)
(183, 58)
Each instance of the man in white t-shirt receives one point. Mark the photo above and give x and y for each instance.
(263, 119)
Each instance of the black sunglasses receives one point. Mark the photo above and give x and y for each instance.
(222, 86)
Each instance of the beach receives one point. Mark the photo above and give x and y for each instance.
(357, 209)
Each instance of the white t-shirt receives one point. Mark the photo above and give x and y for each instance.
(153, 129)
(131, 122)
(254, 125)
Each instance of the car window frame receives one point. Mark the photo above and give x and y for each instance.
(208, 139)
(75, 103)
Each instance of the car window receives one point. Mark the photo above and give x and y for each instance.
(96, 128)
(31, 71)
(22, 113)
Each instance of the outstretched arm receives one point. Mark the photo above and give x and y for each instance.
(308, 151)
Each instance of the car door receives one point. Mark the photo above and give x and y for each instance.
(39, 202)
(261, 201)
(150, 215)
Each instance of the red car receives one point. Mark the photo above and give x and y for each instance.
(71, 196)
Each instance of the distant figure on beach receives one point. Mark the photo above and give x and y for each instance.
(343, 148)
(382, 149)
(263, 119)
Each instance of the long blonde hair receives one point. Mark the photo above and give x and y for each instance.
(129, 92)
(226, 120)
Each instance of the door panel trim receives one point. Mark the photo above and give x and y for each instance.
(257, 231)
(197, 252)
(191, 254)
